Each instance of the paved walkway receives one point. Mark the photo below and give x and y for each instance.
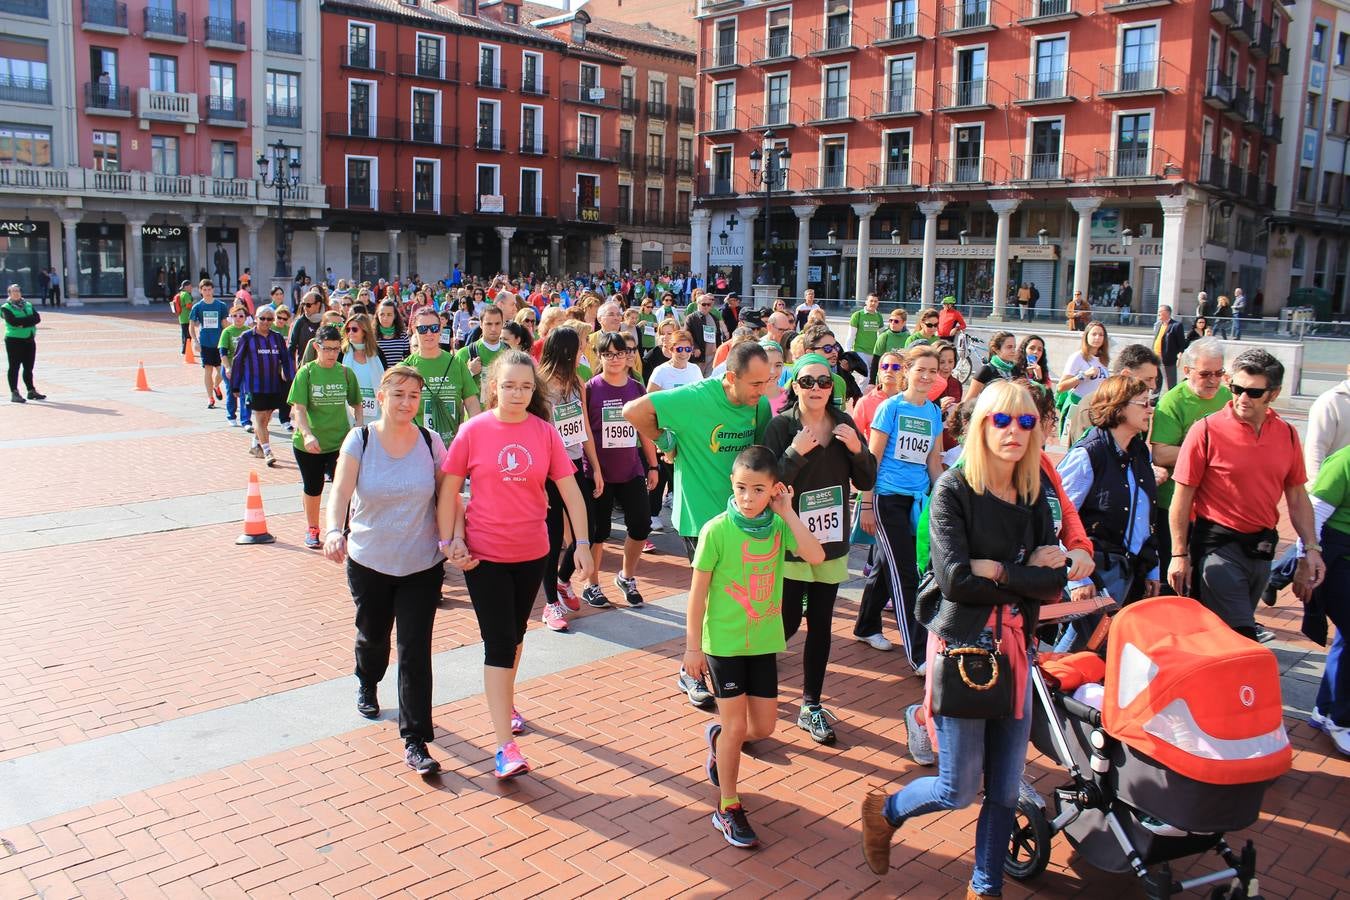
(179, 718)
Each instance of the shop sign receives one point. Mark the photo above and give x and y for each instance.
(813, 273)
(161, 232)
(818, 252)
(888, 250)
(1106, 223)
(728, 250)
(653, 245)
(1309, 151)
(1138, 248)
(20, 227)
(585, 213)
(491, 203)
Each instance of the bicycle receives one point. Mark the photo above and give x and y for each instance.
(971, 354)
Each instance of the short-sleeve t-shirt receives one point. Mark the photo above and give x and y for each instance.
(666, 376)
(889, 340)
(1333, 486)
(483, 352)
(509, 463)
(1078, 365)
(448, 383)
(325, 394)
(710, 430)
(210, 317)
(865, 325)
(184, 306)
(911, 432)
(918, 337)
(229, 336)
(617, 446)
(1177, 411)
(744, 614)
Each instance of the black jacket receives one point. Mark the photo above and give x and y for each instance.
(1173, 342)
(695, 324)
(963, 525)
(302, 332)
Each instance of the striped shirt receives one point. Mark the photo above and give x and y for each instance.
(261, 363)
(393, 350)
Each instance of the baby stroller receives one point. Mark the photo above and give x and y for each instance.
(1189, 735)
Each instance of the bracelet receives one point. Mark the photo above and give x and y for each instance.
(1181, 553)
(580, 541)
(653, 468)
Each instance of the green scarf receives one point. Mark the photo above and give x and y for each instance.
(387, 332)
(758, 527)
(1002, 365)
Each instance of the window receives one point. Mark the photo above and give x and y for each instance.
(360, 193)
(625, 196)
(836, 93)
(972, 14)
(590, 78)
(653, 204)
(837, 19)
(221, 79)
(724, 105)
(1319, 43)
(424, 103)
(164, 74)
(531, 196)
(684, 201)
(1328, 183)
(360, 39)
(23, 70)
(283, 26)
(656, 98)
(531, 77)
(511, 13)
(588, 131)
(903, 20)
(531, 129)
(282, 91)
(468, 7)
(725, 43)
(163, 155)
(687, 151)
(224, 159)
(578, 30)
(588, 198)
(1342, 48)
(895, 155)
(488, 72)
(1310, 110)
(687, 97)
(103, 60)
(656, 151)
(626, 146)
(780, 33)
(721, 170)
(488, 186)
(1052, 63)
(1334, 116)
(1139, 58)
(833, 153)
(107, 145)
(1046, 139)
(360, 109)
(488, 125)
(430, 56)
(1134, 134)
(26, 145)
(970, 75)
(426, 185)
(900, 84)
(968, 152)
(1304, 183)
(776, 99)
(1206, 148)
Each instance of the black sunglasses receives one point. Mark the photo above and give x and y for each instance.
(815, 381)
(1255, 393)
(827, 348)
(428, 329)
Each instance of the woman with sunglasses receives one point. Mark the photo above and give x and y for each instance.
(450, 393)
(360, 353)
(528, 317)
(1108, 476)
(820, 455)
(647, 323)
(996, 559)
(319, 395)
(282, 326)
(1033, 363)
(904, 440)
(999, 366)
(679, 370)
(893, 337)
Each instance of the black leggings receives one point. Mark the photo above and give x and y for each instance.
(665, 476)
(897, 577)
(632, 499)
(21, 352)
(503, 600)
(559, 564)
(313, 466)
(819, 622)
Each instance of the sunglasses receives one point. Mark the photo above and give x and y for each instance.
(1147, 402)
(1026, 421)
(892, 367)
(1204, 374)
(826, 348)
(283, 318)
(816, 381)
(897, 321)
(428, 329)
(1255, 393)
(324, 348)
(266, 318)
(928, 324)
(684, 349)
(354, 330)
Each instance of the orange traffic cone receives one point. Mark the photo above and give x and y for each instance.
(141, 383)
(255, 523)
(189, 357)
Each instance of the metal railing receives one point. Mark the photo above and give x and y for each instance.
(959, 94)
(589, 95)
(1039, 167)
(902, 26)
(1126, 162)
(223, 31)
(1046, 86)
(578, 149)
(361, 56)
(432, 68)
(896, 100)
(1260, 44)
(538, 86)
(684, 115)
(490, 77)
(283, 40)
(226, 109)
(966, 14)
(110, 97)
(894, 174)
(831, 38)
(25, 89)
(827, 108)
(284, 115)
(103, 13)
(778, 45)
(1219, 89)
(1274, 129)
(533, 144)
(1128, 78)
(493, 139)
(165, 21)
(1046, 9)
(1214, 171)
(721, 56)
(658, 109)
(1225, 12)
(340, 123)
(684, 166)
(723, 120)
(831, 178)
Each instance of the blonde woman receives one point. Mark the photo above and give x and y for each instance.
(361, 354)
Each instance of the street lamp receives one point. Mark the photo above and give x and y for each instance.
(281, 182)
(964, 237)
(1127, 238)
(1043, 236)
(831, 236)
(895, 235)
(769, 167)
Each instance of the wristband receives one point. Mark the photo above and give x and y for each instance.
(653, 468)
(581, 541)
(665, 441)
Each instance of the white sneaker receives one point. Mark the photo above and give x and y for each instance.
(922, 670)
(1340, 736)
(876, 641)
(657, 524)
(1319, 721)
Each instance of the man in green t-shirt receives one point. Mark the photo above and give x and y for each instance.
(229, 337)
(1199, 393)
(863, 328)
(450, 394)
(1330, 496)
(182, 307)
(478, 356)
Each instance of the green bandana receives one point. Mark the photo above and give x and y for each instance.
(758, 527)
(1002, 365)
(387, 332)
(811, 359)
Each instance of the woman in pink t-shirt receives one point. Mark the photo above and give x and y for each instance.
(509, 453)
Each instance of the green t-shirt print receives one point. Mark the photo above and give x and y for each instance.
(744, 615)
(325, 394)
(866, 326)
(448, 385)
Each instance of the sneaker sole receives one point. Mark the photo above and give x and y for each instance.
(825, 739)
(433, 769)
(369, 715)
(710, 735)
(513, 773)
(717, 823)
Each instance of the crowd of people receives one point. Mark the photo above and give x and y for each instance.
(499, 426)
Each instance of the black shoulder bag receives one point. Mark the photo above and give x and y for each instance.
(971, 681)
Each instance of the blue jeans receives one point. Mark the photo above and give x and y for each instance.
(236, 401)
(1117, 575)
(974, 753)
(1333, 694)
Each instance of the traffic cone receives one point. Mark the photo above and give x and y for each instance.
(189, 357)
(141, 383)
(255, 522)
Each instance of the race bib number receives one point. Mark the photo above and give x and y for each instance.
(210, 320)
(567, 419)
(913, 440)
(1056, 511)
(709, 334)
(369, 408)
(649, 329)
(616, 431)
(823, 513)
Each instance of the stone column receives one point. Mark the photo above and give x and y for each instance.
(1004, 210)
(253, 226)
(1082, 254)
(393, 254)
(506, 232)
(862, 277)
(320, 237)
(554, 254)
(748, 214)
(804, 214)
(454, 251)
(70, 282)
(613, 243)
(136, 265)
(356, 256)
(931, 209)
(698, 242)
(1173, 247)
(197, 258)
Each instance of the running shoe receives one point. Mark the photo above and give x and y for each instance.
(312, 538)
(1319, 721)
(510, 761)
(517, 722)
(815, 721)
(367, 703)
(554, 618)
(594, 597)
(256, 451)
(219, 395)
(696, 689)
(1264, 634)
(568, 596)
(269, 459)
(210, 404)
(710, 766)
(418, 759)
(34, 395)
(657, 524)
(648, 547)
(1340, 736)
(630, 590)
(920, 746)
(735, 827)
(875, 641)
(232, 421)
(16, 397)
(248, 426)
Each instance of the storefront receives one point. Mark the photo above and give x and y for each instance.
(1113, 263)
(965, 272)
(222, 250)
(101, 260)
(164, 256)
(25, 254)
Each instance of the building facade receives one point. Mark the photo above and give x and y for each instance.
(962, 148)
(677, 16)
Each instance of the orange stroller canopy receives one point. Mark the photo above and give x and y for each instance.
(1187, 691)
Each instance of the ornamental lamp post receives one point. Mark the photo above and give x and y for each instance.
(281, 182)
(769, 167)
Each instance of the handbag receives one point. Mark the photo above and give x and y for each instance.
(973, 682)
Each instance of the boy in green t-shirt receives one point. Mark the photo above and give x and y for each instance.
(229, 336)
(181, 304)
(734, 624)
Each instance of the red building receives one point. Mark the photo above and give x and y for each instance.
(956, 148)
(460, 134)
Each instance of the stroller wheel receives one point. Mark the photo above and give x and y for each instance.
(1029, 846)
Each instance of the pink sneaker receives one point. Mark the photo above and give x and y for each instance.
(554, 618)
(511, 762)
(649, 547)
(568, 596)
(517, 722)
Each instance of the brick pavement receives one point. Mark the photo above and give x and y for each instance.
(108, 636)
